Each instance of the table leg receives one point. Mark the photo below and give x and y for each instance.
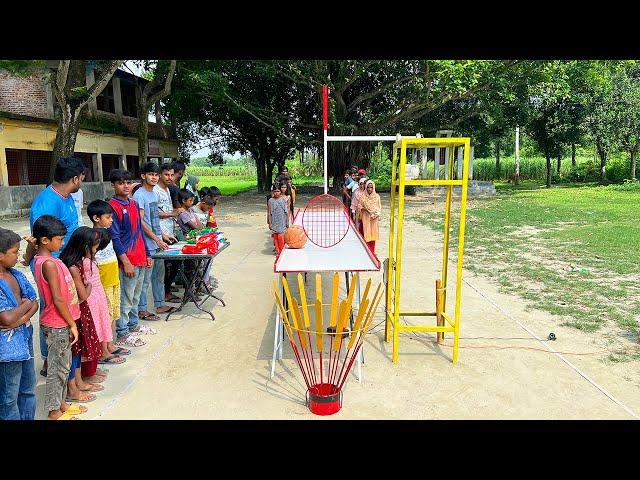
(206, 287)
(286, 305)
(278, 335)
(190, 287)
(276, 344)
(185, 297)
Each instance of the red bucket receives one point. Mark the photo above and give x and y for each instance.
(324, 399)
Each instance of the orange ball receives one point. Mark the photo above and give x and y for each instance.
(295, 236)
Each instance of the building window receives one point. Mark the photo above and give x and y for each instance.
(89, 172)
(128, 92)
(109, 162)
(28, 167)
(105, 100)
(133, 165)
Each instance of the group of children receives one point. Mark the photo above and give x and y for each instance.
(86, 282)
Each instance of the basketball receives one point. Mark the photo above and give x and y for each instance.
(295, 236)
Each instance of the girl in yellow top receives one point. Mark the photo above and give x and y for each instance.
(101, 214)
(370, 207)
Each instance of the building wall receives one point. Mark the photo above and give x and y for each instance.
(16, 201)
(23, 96)
(31, 135)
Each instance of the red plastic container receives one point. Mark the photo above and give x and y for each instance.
(190, 249)
(324, 399)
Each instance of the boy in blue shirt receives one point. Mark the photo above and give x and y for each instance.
(56, 200)
(18, 303)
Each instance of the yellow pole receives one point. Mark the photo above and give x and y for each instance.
(447, 225)
(387, 332)
(463, 212)
(396, 306)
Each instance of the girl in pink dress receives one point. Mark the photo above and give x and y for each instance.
(98, 304)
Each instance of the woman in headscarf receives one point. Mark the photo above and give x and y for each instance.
(370, 209)
(192, 186)
(355, 200)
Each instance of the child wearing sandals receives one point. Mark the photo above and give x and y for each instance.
(101, 214)
(87, 351)
(57, 318)
(133, 258)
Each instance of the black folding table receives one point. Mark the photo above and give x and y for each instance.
(193, 278)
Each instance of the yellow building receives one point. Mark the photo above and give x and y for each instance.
(108, 139)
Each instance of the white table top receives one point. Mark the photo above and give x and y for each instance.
(351, 254)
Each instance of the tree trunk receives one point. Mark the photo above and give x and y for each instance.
(548, 157)
(633, 162)
(260, 171)
(66, 135)
(602, 153)
(559, 162)
(302, 156)
(497, 159)
(573, 154)
(269, 176)
(143, 129)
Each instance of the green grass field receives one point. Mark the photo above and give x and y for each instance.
(232, 185)
(572, 251)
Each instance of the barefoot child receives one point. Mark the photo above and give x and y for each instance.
(57, 319)
(18, 303)
(101, 214)
(87, 351)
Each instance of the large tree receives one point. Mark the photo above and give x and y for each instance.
(243, 105)
(373, 97)
(70, 89)
(626, 98)
(148, 94)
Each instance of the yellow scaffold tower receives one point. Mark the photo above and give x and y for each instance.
(444, 321)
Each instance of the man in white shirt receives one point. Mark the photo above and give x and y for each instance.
(168, 214)
(78, 200)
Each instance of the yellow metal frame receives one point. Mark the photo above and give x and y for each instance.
(393, 311)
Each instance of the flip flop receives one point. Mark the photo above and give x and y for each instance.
(151, 317)
(121, 351)
(76, 409)
(43, 372)
(131, 341)
(143, 330)
(91, 398)
(112, 359)
(67, 416)
(94, 387)
(172, 299)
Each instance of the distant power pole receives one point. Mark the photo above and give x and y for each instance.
(517, 154)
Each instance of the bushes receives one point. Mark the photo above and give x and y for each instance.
(534, 168)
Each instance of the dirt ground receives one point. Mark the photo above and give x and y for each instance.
(198, 369)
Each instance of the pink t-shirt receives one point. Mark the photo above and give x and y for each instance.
(50, 317)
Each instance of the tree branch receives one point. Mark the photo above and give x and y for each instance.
(97, 88)
(367, 96)
(248, 111)
(166, 90)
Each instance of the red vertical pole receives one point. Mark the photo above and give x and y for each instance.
(325, 107)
